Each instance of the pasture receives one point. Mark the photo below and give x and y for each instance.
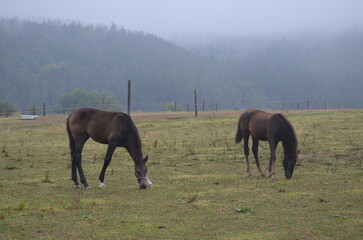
(201, 189)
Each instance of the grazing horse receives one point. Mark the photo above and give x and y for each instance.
(113, 128)
(272, 128)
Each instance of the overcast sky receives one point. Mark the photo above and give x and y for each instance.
(168, 18)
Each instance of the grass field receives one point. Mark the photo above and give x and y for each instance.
(200, 181)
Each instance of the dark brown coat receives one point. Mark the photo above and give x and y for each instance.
(272, 128)
(112, 128)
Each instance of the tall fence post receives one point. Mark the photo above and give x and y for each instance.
(203, 105)
(283, 103)
(128, 96)
(43, 109)
(339, 103)
(195, 103)
(33, 109)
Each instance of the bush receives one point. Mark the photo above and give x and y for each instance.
(171, 107)
(6, 108)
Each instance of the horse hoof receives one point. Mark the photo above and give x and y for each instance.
(76, 186)
(88, 188)
(102, 186)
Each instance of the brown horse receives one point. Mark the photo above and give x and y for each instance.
(113, 128)
(272, 128)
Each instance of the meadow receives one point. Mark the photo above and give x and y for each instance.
(200, 185)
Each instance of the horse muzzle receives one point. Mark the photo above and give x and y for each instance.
(288, 175)
(144, 182)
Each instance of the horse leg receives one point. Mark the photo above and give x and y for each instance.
(271, 167)
(78, 160)
(73, 160)
(110, 150)
(247, 151)
(255, 154)
(74, 170)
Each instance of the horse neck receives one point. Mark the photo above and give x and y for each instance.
(133, 145)
(289, 143)
(289, 148)
(289, 140)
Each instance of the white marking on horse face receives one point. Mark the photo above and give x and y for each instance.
(102, 185)
(148, 181)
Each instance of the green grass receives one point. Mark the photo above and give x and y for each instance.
(199, 177)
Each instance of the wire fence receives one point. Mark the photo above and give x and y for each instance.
(202, 105)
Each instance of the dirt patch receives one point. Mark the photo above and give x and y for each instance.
(179, 115)
(10, 122)
(59, 119)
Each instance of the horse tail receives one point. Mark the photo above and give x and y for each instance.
(242, 126)
(72, 144)
(239, 136)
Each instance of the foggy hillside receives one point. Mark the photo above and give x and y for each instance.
(41, 61)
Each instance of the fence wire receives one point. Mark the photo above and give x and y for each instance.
(202, 105)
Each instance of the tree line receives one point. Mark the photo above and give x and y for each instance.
(43, 61)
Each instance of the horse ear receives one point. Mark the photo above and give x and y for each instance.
(146, 158)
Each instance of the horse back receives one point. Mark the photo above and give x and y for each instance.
(262, 125)
(102, 126)
(258, 124)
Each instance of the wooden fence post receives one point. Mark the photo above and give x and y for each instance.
(195, 103)
(338, 103)
(128, 96)
(283, 103)
(43, 109)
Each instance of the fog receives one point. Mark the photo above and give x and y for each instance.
(170, 19)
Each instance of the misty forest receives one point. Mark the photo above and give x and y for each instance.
(43, 61)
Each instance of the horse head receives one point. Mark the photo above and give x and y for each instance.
(289, 164)
(140, 173)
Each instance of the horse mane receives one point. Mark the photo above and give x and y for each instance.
(133, 127)
(291, 132)
(127, 116)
